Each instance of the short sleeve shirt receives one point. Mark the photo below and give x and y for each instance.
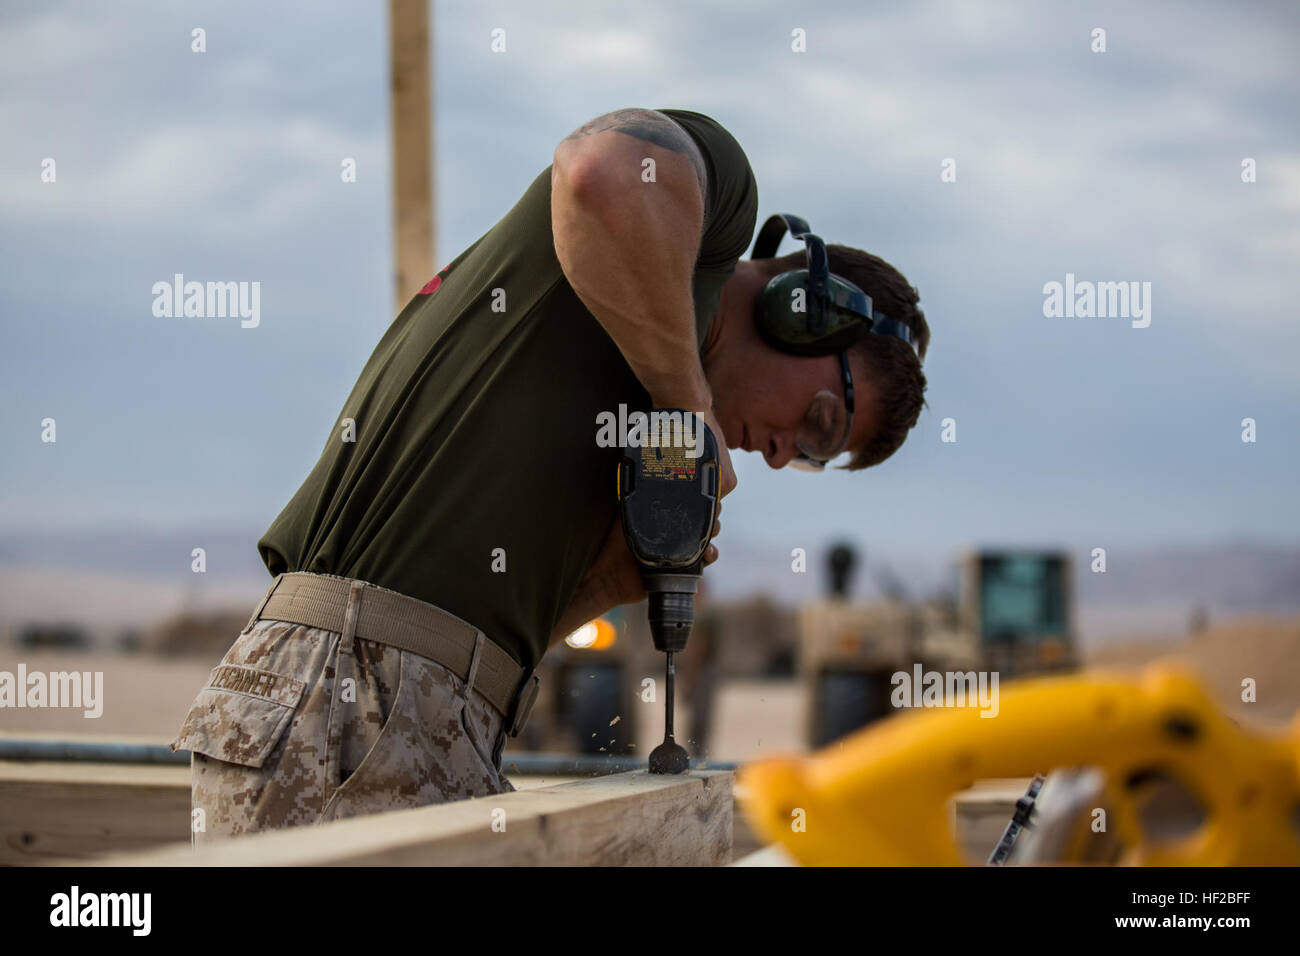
(473, 479)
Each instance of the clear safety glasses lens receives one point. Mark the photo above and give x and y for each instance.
(825, 428)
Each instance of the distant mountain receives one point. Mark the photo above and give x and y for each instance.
(230, 553)
(1236, 577)
(134, 577)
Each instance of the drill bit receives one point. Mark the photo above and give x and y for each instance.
(669, 756)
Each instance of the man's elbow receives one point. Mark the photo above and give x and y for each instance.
(585, 178)
(614, 188)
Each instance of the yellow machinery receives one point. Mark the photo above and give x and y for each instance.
(880, 796)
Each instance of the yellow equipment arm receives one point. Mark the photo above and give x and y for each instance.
(880, 796)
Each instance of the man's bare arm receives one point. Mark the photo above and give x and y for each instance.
(628, 244)
(628, 248)
(613, 578)
(653, 127)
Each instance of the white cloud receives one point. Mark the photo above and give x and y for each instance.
(1126, 163)
(241, 173)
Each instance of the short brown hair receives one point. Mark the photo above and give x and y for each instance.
(894, 367)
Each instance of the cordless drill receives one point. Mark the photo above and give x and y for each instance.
(668, 490)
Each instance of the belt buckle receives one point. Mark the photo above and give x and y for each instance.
(525, 697)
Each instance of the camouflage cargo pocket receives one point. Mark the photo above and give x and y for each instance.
(240, 715)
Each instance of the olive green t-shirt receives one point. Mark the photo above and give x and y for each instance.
(474, 481)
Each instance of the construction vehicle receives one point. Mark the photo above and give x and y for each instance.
(1018, 603)
(1119, 751)
(1012, 614)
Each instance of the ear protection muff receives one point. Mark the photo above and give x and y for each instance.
(812, 311)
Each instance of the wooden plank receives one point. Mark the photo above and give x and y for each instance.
(412, 143)
(73, 810)
(76, 810)
(624, 819)
(981, 813)
(52, 811)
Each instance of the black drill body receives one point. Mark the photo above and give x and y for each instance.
(669, 502)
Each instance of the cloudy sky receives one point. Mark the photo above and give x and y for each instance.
(1117, 166)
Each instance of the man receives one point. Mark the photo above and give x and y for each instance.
(462, 517)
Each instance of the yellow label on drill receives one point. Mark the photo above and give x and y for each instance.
(667, 462)
(664, 454)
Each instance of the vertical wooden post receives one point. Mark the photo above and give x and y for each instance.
(409, 34)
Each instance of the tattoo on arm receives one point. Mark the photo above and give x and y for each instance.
(653, 127)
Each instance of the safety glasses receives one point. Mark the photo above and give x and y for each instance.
(826, 426)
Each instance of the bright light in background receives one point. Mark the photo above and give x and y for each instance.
(584, 636)
(594, 635)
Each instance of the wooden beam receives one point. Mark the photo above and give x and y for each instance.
(981, 813)
(66, 811)
(59, 811)
(411, 84)
(623, 819)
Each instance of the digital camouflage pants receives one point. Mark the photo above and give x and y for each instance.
(294, 728)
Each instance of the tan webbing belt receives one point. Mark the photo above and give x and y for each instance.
(394, 619)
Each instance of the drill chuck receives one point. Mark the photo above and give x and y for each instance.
(672, 609)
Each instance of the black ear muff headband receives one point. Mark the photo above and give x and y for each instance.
(812, 311)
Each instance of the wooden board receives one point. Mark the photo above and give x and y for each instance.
(624, 819)
(54, 811)
(982, 813)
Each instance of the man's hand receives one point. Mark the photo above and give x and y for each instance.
(725, 470)
(617, 575)
(614, 578)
